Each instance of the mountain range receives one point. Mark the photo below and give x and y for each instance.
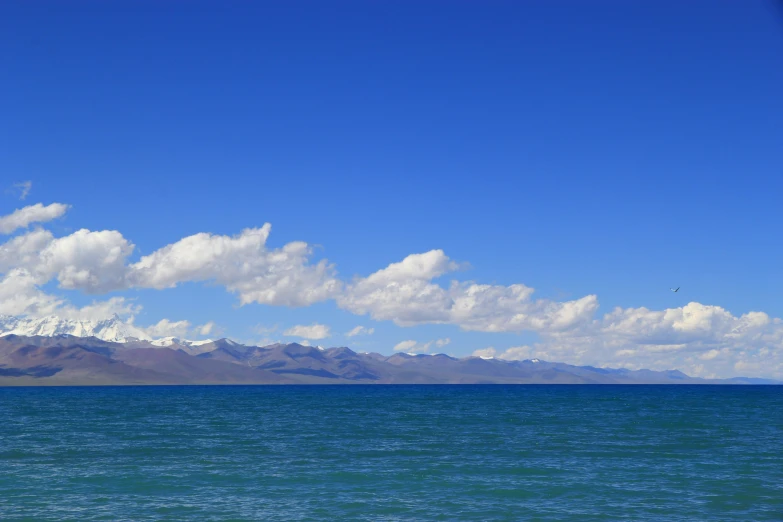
(53, 351)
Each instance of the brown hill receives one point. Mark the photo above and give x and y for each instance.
(67, 360)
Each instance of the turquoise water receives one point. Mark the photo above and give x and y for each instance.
(392, 453)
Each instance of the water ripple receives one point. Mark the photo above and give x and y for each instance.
(392, 453)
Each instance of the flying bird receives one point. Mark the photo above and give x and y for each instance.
(674, 289)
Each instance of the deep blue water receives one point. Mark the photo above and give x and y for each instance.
(392, 453)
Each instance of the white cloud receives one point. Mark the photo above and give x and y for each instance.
(167, 328)
(243, 265)
(24, 252)
(96, 262)
(360, 330)
(695, 338)
(206, 328)
(313, 331)
(675, 338)
(517, 353)
(709, 355)
(417, 347)
(20, 295)
(90, 261)
(405, 346)
(24, 217)
(404, 293)
(693, 322)
(701, 340)
(93, 262)
(100, 310)
(486, 353)
(24, 188)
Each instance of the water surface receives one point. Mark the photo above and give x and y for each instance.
(392, 453)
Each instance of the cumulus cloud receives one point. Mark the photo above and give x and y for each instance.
(96, 262)
(167, 328)
(404, 293)
(313, 331)
(701, 340)
(682, 337)
(24, 217)
(417, 347)
(23, 252)
(93, 262)
(360, 330)
(694, 322)
(695, 337)
(243, 265)
(20, 295)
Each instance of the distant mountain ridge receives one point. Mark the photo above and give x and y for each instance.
(69, 360)
(53, 350)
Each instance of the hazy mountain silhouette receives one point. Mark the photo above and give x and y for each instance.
(69, 360)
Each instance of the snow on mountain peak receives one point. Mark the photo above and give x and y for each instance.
(171, 341)
(112, 329)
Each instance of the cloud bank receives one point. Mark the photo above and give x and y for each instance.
(404, 293)
(701, 339)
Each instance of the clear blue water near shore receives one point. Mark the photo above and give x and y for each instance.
(392, 453)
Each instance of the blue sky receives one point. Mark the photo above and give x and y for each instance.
(613, 149)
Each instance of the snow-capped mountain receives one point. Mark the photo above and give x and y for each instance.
(113, 329)
(27, 358)
(171, 341)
